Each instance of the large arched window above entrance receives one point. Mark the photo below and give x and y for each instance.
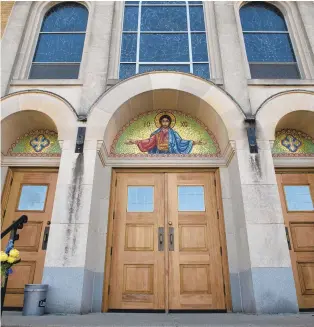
(60, 43)
(164, 36)
(268, 45)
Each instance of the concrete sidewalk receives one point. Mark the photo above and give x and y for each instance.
(14, 319)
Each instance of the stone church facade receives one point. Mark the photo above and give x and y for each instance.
(163, 153)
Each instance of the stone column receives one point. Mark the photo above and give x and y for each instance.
(233, 55)
(67, 271)
(266, 277)
(98, 45)
(307, 13)
(11, 40)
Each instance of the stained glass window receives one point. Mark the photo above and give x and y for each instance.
(164, 36)
(267, 42)
(60, 43)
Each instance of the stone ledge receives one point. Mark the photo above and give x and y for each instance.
(280, 82)
(52, 82)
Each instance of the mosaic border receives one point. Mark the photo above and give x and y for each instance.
(112, 153)
(291, 154)
(25, 154)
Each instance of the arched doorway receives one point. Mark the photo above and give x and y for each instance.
(292, 142)
(160, 254)
(31, 151)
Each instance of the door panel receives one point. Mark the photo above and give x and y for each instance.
(137, 275)
(195, 267)
(297, 198)
(166, 244)
(31, 194)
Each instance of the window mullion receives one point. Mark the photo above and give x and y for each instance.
(189, 36)
(138, 38)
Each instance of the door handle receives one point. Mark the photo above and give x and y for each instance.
(171, 239)
(45, 238)
(160, 238)
(288, 238)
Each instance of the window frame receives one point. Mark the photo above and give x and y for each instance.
(297, 38)
(214, 62)
(29, 44)
(59, 32)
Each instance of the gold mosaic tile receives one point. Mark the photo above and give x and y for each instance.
(183, 130)
(37, 143)
(293, 143)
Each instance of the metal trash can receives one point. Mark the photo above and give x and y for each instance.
(34, 299)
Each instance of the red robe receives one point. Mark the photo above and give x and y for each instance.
(159, 140)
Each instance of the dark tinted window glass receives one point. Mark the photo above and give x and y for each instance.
(280, 71)
(61, 40)
(171, 36)
(199, 47)
(164, 47)
(260, 16)
(130, 19)
(66, 17)
(59, 48)
(201, 70)
(176, 68)
(197, 18)
(163, 18)
(54, 71)
(128, 49)
(267, 41)
(127, 70)
(268, 47)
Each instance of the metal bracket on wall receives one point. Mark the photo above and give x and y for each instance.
(251, 134)
(80, 138)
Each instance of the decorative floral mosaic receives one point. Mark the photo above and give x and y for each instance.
(37, 143)
(293, 143)
(165, 133)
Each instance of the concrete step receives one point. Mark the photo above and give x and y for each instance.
(15, 319)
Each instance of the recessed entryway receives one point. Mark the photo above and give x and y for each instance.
(166, 251)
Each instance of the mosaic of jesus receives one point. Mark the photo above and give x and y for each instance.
(165, 140)
(164, 133)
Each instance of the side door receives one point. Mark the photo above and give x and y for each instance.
(297, 198)
(31, 192)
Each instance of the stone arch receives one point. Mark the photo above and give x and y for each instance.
(109, 113)
(35, 109)
(278, 106)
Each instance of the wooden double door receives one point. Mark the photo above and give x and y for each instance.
(27, 192)
(166, 248)
(297, 199)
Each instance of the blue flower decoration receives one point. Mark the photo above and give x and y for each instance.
(39, 143)
(291, 143)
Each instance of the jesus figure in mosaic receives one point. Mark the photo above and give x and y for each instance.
(165, 140)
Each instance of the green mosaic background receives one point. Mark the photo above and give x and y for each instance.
(23, 146)
(306, 148)
(187, 127)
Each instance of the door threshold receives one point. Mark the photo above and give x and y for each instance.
(198, 311)
(170, 311)
(137, 310)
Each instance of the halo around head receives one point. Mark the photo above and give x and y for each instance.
(161, 113)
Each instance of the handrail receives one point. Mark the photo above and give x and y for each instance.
(14, 236)
(18, 224)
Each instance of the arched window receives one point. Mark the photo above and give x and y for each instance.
(60, 43)
(164, 35)
(267, 41)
